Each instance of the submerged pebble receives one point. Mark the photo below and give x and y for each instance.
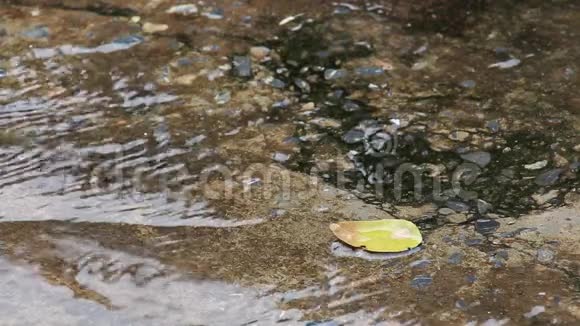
(151, 28)
(214, 14)
(545, 255)
(242, 66)
(493, 125)
(486, 226)
(468, 83)
(421, 282)
(506, 64)
(36, 32)
(281, 157)
(457, 218)
(369, 71)
(457, 206)
(548, 178)
(185, 10)
(480, 158)
(334, 74)
(353, 136)
(536, 166)
(536, 310)
(223, 97)
(274, 82)
(302, 85)
(455, 258)
(259, 52)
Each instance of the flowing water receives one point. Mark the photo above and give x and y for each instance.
(179, 163)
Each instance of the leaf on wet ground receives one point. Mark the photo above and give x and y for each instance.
(388, 235)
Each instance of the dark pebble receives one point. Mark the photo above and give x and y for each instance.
(457, 206)
(353, 136)
(485, 226)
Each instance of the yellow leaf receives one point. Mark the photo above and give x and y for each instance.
(379, 236)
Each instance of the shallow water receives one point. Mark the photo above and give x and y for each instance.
(183, 166)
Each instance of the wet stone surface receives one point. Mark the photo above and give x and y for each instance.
(175, 162)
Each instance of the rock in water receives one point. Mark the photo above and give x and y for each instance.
(480, 158)
(548, 178)
(242, 66)
(185, 10)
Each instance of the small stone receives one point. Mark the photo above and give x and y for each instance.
(353, 136)
(459, 135)
(541, 199)
(421, 282)
(302, 85)
(281, 157)
(545, 255)
(323, 209)
(536, 310)
(471, 279)
(281, 104)
(493, 125)
(308, 106)
(486, 226)
(242, 66)
(560, 161)
(461, 304)
(334, 74)
(457, 206)
(276, 213)
(446, 211)
(577, 148)
(129, 40)
(420, 65)
(259, 52)
(214, 14)
(195, 140)
(369, 71)
(536, 166)
(151, 28)
(548, 178)
(455, 258)
(480, 158)
(37, 32)
(467, 84)
(185, 10)
(457, 218)
(378, 142)
(499, 258)
(342, 10)
(350, 106)
(326, 123)
(483, 207)
(506, 64)
(223, 97)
